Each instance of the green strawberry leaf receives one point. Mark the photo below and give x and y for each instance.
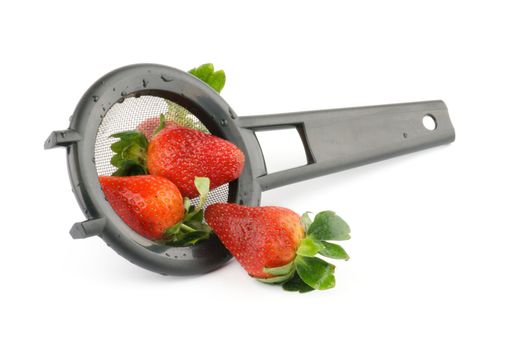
(172, 230)
(206, 73)
(277, 279)
(306, 221)
(191, 229)
(327, 226)
(280, 270)
(203, 72)
(197, 223)
(194, 215)
(202, 185)
(315, 272)
(130, 153)
(185, 238)
(333, 251)
(217, 80)
(309, 247)
(193, 237)
(295, 284)
(132, 136)
(186, 233)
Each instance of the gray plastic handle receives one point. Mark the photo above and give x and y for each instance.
(339, 139)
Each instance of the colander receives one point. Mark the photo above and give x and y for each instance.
(333, 140)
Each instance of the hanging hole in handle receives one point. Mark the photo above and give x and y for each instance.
(429, 122)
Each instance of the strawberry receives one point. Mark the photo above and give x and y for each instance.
(180, 154)
(154, 208)
(276, 245)
(148, 204)
(258, 237)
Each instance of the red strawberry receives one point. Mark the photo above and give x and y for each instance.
(258, 237)
(180, 154)
(276, 245)
(148, 204)
(149, 126)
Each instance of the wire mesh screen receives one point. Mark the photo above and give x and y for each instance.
(144, 111)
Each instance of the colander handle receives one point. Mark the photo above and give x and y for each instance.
(339, 139)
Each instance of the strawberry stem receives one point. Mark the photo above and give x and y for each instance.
(202, 185)
(191, 229)
(161, 125)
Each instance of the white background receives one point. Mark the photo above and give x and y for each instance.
(439, 247)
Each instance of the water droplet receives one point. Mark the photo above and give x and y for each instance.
(223, 122)
(113, 89)
(95, 98)
(121, 100)
(231, 113)
(145, 83)
(124, 93)
(166, 78)
(405, 135)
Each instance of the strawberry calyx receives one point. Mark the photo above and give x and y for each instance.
(191, 229)
(161, 126)
(307, 272)
(130, 153)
